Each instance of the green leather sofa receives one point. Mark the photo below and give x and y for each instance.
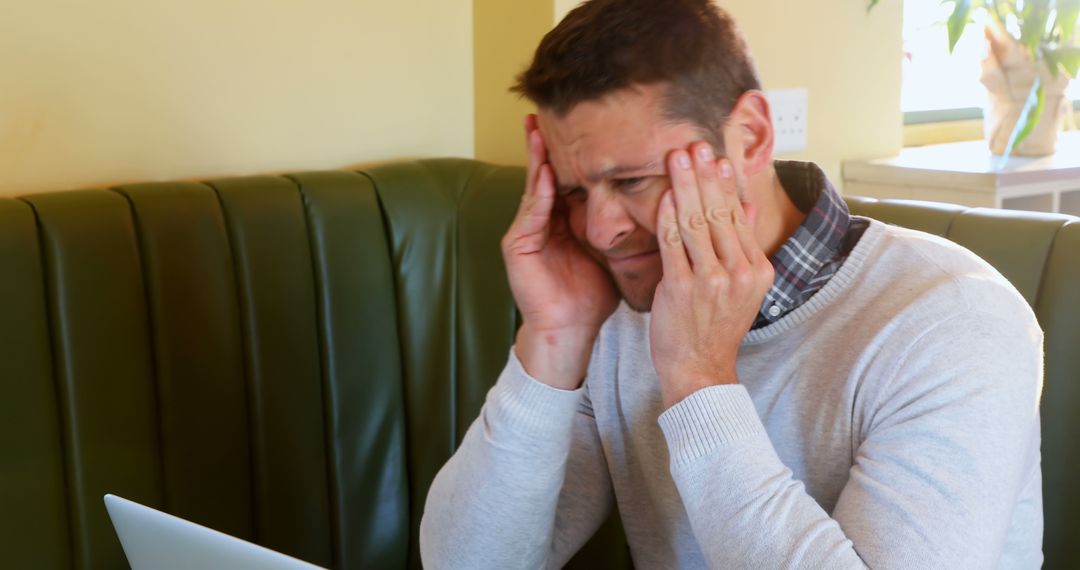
(290, 359)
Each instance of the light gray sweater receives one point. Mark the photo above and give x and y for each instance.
(889, 422)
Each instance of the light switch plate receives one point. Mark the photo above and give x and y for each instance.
(789, 115)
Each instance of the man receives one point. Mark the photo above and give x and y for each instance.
(711, 342)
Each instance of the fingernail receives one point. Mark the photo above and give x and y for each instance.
(705, 152)
(683, 161)
(725, 170)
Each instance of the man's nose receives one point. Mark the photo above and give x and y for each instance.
(607, 221)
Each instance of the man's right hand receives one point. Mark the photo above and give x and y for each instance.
(563, 294)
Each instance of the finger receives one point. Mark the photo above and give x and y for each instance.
(750, 210)
(536, 212)
(530, 123)
(745, 229)
(744, 214)
(535, 146)
(718, 197)
(763, 270)
(672, 251)
(530, 229)
(692, 225)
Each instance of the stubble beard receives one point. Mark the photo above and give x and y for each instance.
(636, 289)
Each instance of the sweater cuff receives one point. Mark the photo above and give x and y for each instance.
(526, 405)
(707, 420)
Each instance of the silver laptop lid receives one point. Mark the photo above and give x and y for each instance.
(154, 540)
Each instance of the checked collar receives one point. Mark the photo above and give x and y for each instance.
(817, 249)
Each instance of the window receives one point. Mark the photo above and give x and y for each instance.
(938, 86)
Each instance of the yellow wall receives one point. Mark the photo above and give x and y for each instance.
(111, 91)
(506, 35)
(848, 60)
(114, 91)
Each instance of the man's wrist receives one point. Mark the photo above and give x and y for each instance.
(677, 385)
(559, 359)
(708, 420)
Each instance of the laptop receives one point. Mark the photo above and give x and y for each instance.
(154, 540)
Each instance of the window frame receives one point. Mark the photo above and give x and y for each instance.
(953, 115)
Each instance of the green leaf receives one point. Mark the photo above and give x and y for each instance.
(1067, 16)
(872, 4)
(958, 21)
(995, 10)
(1050, 58)
(1068, 57)
(1034, 17)
(1029, 117)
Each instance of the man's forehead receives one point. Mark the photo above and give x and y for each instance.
(590, 157)
(586, 168)
(601, 152)
(613, 169)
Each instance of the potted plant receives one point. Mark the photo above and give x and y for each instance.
(1033, 54)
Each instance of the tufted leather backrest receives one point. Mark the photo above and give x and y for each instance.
(194, 347)
(290, 359)
(1040, 255)
(184, 368)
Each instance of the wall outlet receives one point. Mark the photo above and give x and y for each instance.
(789, 109)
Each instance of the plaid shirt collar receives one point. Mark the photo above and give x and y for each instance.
(807, 260)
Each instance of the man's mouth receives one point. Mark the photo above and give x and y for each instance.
(630, 261)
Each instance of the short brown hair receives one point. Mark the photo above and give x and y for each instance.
(603, 46)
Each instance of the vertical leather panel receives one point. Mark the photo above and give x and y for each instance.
(198, 354)
(419, 200)
(361, 363)
(1022, 256)
(268, 233)
(1059, 313)
(34, 525)
(100, 334)
(485, 327)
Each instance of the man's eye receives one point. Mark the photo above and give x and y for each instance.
(629, 183)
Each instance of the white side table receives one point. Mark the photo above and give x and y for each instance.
(966, 173)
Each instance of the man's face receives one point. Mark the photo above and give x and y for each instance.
(609, 158)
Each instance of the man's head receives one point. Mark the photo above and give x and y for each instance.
(619, 85)
(603, 46)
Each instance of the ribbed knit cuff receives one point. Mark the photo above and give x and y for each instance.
(529, 406)
(708, 420)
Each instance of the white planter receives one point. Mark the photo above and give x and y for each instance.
(1008, 74)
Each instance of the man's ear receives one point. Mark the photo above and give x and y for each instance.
(750, 129)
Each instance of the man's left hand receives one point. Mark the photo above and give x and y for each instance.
(715, 275)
